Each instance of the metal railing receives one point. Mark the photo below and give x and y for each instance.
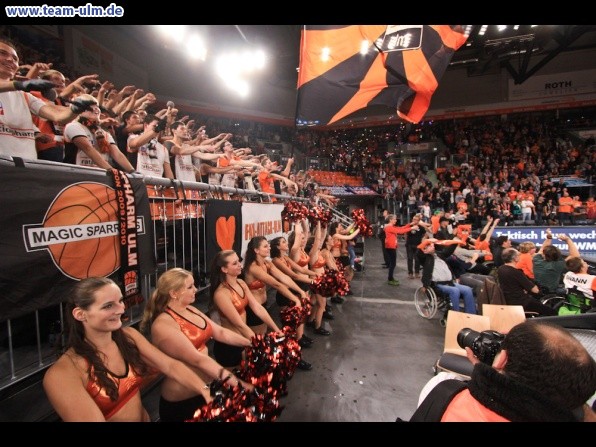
(29, 344)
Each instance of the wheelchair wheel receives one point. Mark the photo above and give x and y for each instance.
(426, 302)
(553, 301)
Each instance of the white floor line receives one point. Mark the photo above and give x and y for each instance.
(380, 301)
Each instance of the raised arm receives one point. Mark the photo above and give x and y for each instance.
(489, 234)
(548, 241)
(295, 248)
(573, 251)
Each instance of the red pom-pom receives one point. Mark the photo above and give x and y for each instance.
(294, 211)
(319, 214)
(237, 404)
(331, 282)
(362, 222)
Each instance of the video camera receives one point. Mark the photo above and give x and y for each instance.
(485, 345)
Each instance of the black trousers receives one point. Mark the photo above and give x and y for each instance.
(391, 261)
(413, 261)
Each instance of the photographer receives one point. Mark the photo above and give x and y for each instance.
(541, 374)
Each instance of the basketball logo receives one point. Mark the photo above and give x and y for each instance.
(130, 281)
(80, 231)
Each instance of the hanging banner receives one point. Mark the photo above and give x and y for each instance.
(260, 219)
(59, 231)
(223, 223)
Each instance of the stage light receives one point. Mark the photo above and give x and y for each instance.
(196, 48)
(173, 32)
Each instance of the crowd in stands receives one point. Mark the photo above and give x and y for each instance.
(506, 170)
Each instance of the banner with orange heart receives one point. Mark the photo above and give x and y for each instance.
(223, 226)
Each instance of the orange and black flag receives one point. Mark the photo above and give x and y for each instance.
(346, 68)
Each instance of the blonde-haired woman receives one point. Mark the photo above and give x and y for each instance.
(182, 331)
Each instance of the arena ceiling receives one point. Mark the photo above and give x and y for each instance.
(520, 49)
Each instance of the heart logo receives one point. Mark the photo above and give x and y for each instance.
(225, 230)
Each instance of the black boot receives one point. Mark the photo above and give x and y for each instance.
(304, 365)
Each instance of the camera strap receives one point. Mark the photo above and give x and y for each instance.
(434, 405)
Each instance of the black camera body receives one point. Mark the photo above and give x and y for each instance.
(485, 345)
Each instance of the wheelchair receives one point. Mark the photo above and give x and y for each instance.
(573, 303)
(429, 302)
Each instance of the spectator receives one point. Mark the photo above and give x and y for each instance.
(17, 131)
(183, 154)
(51, 146)
(413, 239)
(435, 270)
(517, 287)
(566, 208)
(527, 250)
(93, 146)
(501, 243)
(578, 277)
(153, 159)
(549, 264)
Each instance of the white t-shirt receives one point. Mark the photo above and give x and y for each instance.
(183, 165)
(76, 129)
(151, 158)
(17, 131)
(584, 282)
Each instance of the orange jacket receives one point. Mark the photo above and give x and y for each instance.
(464, 408)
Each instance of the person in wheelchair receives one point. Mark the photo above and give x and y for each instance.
(435, 271)
(580, 287)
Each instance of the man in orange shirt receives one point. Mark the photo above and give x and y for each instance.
(266, 179)
(566, 208)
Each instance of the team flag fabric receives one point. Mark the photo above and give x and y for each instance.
(346, 68)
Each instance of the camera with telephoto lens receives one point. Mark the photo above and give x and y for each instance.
(485, 345)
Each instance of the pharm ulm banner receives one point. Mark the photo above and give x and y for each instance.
(60, 230)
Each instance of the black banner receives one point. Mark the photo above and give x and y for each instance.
(58, 228)
(129, 257)
(223, 220)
